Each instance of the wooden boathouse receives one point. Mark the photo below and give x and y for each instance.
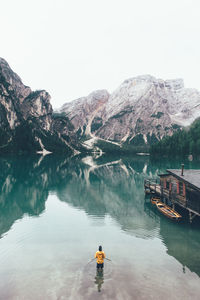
(178, 187)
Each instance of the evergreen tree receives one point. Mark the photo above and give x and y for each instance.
(185, 141)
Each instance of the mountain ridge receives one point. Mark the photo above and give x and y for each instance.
(142, 110)
(27, 123)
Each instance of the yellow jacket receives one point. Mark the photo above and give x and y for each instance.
(100, 255)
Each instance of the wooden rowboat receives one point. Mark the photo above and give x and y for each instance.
(168, 211)
(154, 200)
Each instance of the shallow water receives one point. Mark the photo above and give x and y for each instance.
(54, 212)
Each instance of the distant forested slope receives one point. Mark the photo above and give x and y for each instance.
(185, 141)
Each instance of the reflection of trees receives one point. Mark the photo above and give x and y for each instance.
(181, 240)
(163, 163)
(113, 187)
(106, 186)
(24, 186)
(183, 243)
(109, 186)
(21, 190)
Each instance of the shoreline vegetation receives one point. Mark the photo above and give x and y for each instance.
(29, 125)
(182, 142)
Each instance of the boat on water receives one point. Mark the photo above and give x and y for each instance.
(168, 211)
(155, 199)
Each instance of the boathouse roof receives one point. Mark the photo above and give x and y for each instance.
(190, 176)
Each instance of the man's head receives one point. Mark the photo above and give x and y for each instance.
(100, 248)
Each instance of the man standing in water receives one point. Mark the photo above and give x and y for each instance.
(100, 255)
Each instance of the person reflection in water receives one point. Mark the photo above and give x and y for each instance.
(99, 280)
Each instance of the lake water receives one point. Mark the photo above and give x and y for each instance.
(55, 212)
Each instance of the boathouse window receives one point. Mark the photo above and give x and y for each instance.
(181, 188)
(167, 185)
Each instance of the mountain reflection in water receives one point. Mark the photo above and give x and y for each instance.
(100, 187)
(109, 187)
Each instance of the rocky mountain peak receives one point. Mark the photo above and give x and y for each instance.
(149, 79)
(141, 110)
(82, 111)
(27, 123)
(10, 81)
(93, 98)
(175, 84)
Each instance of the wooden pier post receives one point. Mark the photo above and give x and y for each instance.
(191, 216)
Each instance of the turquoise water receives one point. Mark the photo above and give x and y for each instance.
(55, 212)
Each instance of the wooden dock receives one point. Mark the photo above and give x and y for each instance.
(172, 195)
(152, 187)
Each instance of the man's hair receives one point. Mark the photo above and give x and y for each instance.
(100, 248)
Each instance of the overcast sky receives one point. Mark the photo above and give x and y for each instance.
(73, 47)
